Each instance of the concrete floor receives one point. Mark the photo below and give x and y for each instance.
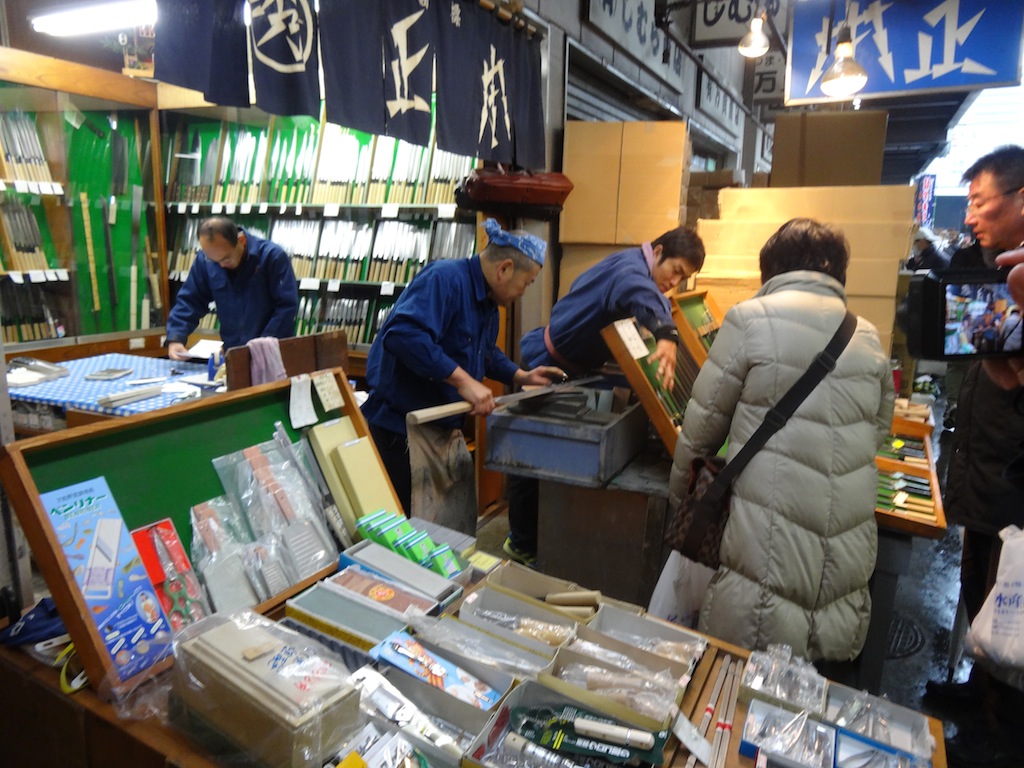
(920, 635)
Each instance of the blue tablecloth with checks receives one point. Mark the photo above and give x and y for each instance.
(73, 391)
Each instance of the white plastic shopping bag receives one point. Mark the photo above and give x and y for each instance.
(997, 632)
(679, 593)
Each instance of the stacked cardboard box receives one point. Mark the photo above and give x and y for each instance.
(877, 222)
(702, 193)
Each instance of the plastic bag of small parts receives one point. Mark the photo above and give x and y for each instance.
(274, 695)
(996, 636)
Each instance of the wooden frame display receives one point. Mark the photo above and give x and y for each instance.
(156, 465)
(630, 349)
(697, 318)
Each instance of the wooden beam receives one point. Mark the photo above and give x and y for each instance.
(47, 72)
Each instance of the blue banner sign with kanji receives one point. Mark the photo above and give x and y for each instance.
(908, 46)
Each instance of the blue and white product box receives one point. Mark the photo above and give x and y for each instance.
(109, 572)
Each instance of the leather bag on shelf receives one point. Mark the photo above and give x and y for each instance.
(518, 194)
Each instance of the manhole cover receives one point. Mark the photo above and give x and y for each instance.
(905, 638)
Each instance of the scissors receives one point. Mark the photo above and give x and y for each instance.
(182, 607)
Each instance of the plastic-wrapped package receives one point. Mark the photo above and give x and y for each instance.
(467, 641)
(269, 570)
(641, 691)
(381, 699)
(684, 652)
(274, 694)
(543, 631)
(218, 556)
(776, 674)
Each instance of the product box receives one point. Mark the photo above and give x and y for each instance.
(654, 635)
(866, 719)
(532, 696)
(273, 693)
(108, 570)
(814, 743)
(634, 654)
(338, 615)
(384, 594)
(651, 710)
(524, 622)
(568, 451)
(392, 565)
(472, 683)
(784, 682)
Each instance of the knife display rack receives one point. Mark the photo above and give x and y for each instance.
(303, 161)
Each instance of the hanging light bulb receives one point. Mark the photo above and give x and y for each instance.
(845, 77)
(755, 43)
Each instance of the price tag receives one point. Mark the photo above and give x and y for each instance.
(389, 211)
(3, 187)
(62, 275)
(51, 276)
(300, 405)
(309, 284)
(333, 286)
(327, 389)
(690, 737)
(298, 209)
(284, 208)
(332, 210)
(195, 209)
(182, 207)
(33, 188)
(245, 209)
(17, 278)
(263, 207)
(20, 185)
(216, 209)
(57, 188)
(631, 338)
(446, 211)
(387, 288)
(229, 209)
(36, 276)
(45, 188)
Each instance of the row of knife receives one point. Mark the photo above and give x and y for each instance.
(28, 312)
(335, 249)
(359, 318)
(309, 165)
(20, 236)
(21, 152)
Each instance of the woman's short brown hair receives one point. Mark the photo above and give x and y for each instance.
(805, 244)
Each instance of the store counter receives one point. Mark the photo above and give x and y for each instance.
(43, 727)
(74, 399)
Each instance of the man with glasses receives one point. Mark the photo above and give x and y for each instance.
(248, 278)
(983, 492)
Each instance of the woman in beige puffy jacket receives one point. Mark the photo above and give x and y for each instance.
(800, 543)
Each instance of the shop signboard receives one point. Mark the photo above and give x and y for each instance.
(924, 200)
(907, 47)
(632, 24)
(725, 22)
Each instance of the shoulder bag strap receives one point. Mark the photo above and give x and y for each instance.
(787, 405)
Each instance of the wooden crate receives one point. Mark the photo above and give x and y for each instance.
(157, 465)
(914, 524)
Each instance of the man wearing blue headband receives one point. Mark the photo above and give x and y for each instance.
(438, 344)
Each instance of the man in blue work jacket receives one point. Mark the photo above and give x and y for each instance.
(249, 279)
(438, 344)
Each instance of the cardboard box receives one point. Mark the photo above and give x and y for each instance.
(592, 155)
(564, 450)
(272, 693)
(393, 566)
(650, 179)
(482, 605)
(823, 149)
(764, 719)
(526, 583)
(893, 204)
(907, 731)
(660, 638)
(338, 615)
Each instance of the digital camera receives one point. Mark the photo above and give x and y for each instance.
(961, 315)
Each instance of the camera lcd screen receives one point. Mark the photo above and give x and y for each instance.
(981, 319)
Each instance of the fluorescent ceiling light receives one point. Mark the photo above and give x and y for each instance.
(755, 43)
(845, 77)
(96, 17)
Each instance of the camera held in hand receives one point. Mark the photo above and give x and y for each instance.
(961, 315)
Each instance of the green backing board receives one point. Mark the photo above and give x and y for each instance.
(161, 468)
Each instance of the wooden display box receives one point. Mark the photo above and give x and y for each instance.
(157, 465)
(918, 525)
